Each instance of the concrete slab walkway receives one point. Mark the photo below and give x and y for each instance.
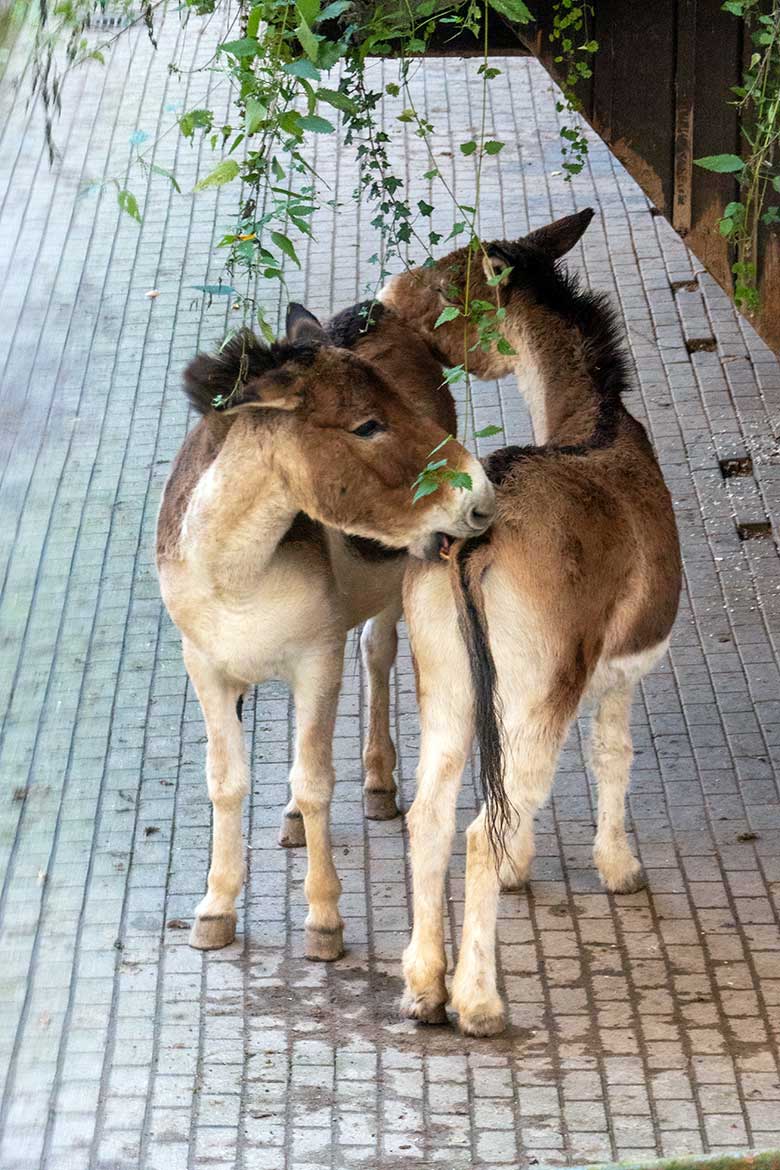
(642, 1025)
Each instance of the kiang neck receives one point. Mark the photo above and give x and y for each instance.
(559, 390)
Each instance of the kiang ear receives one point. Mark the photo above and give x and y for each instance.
(277, 390)
(302, 326)
(496, 260)
(559, 237)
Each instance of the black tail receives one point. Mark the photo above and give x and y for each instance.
(487, 706)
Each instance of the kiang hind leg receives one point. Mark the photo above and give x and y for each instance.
(378, 645)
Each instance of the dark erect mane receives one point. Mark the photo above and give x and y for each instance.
(350, 324)
(245, 356)
(552, 286)
(597, 319)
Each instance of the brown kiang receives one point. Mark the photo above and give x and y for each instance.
(284, 524)
(571, 594)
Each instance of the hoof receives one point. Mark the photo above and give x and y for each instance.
(379, 804)
(212, 931)
(292, 834)
(514, 885)
(630, 884)
(482, 1023)
(323, 945)
(425, 1009)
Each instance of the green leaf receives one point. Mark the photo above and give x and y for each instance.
(128, 202)
(253, 21)
(224, 173)
(255, 114)
(284, 244)
(448, 314)
(331, 11)
(486, 432)
(309, 10)
(776, 183)
(721, 163)
(329, 53)
(500, 277)
(316, 124)
(461, 479)
(168, 175)
(309, 42)
(492, 147)
(245, 48)
(338, 100)
(468, 148)
(265, 328)
(195, 120)
(302, 68)
(424, 208)
(289, 121)
(512, 10)
(453, 374)
(426, 487)
(434, 174)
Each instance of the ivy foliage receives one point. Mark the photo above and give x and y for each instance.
(757, 169)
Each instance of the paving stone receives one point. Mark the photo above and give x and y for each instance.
(641, 1026)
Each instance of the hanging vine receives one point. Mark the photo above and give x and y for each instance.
(295, 67)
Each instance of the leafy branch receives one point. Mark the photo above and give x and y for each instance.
(757, 170)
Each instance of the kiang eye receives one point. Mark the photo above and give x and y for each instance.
(368, 429)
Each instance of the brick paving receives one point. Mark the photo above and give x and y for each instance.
(641, 1025)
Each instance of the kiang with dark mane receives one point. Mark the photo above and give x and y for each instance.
(285, 523)
(570, 595)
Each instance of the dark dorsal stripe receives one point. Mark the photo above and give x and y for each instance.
(499, 463)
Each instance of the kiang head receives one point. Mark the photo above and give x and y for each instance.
(512, 275)
(345, 445)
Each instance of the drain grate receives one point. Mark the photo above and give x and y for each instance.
(736, 466)
(754, 530)
(700, 344)
(683, 285)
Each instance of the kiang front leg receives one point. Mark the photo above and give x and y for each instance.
(446, 722)
(316, 692)
(378, 645)
(431, 822)
(227, 775)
